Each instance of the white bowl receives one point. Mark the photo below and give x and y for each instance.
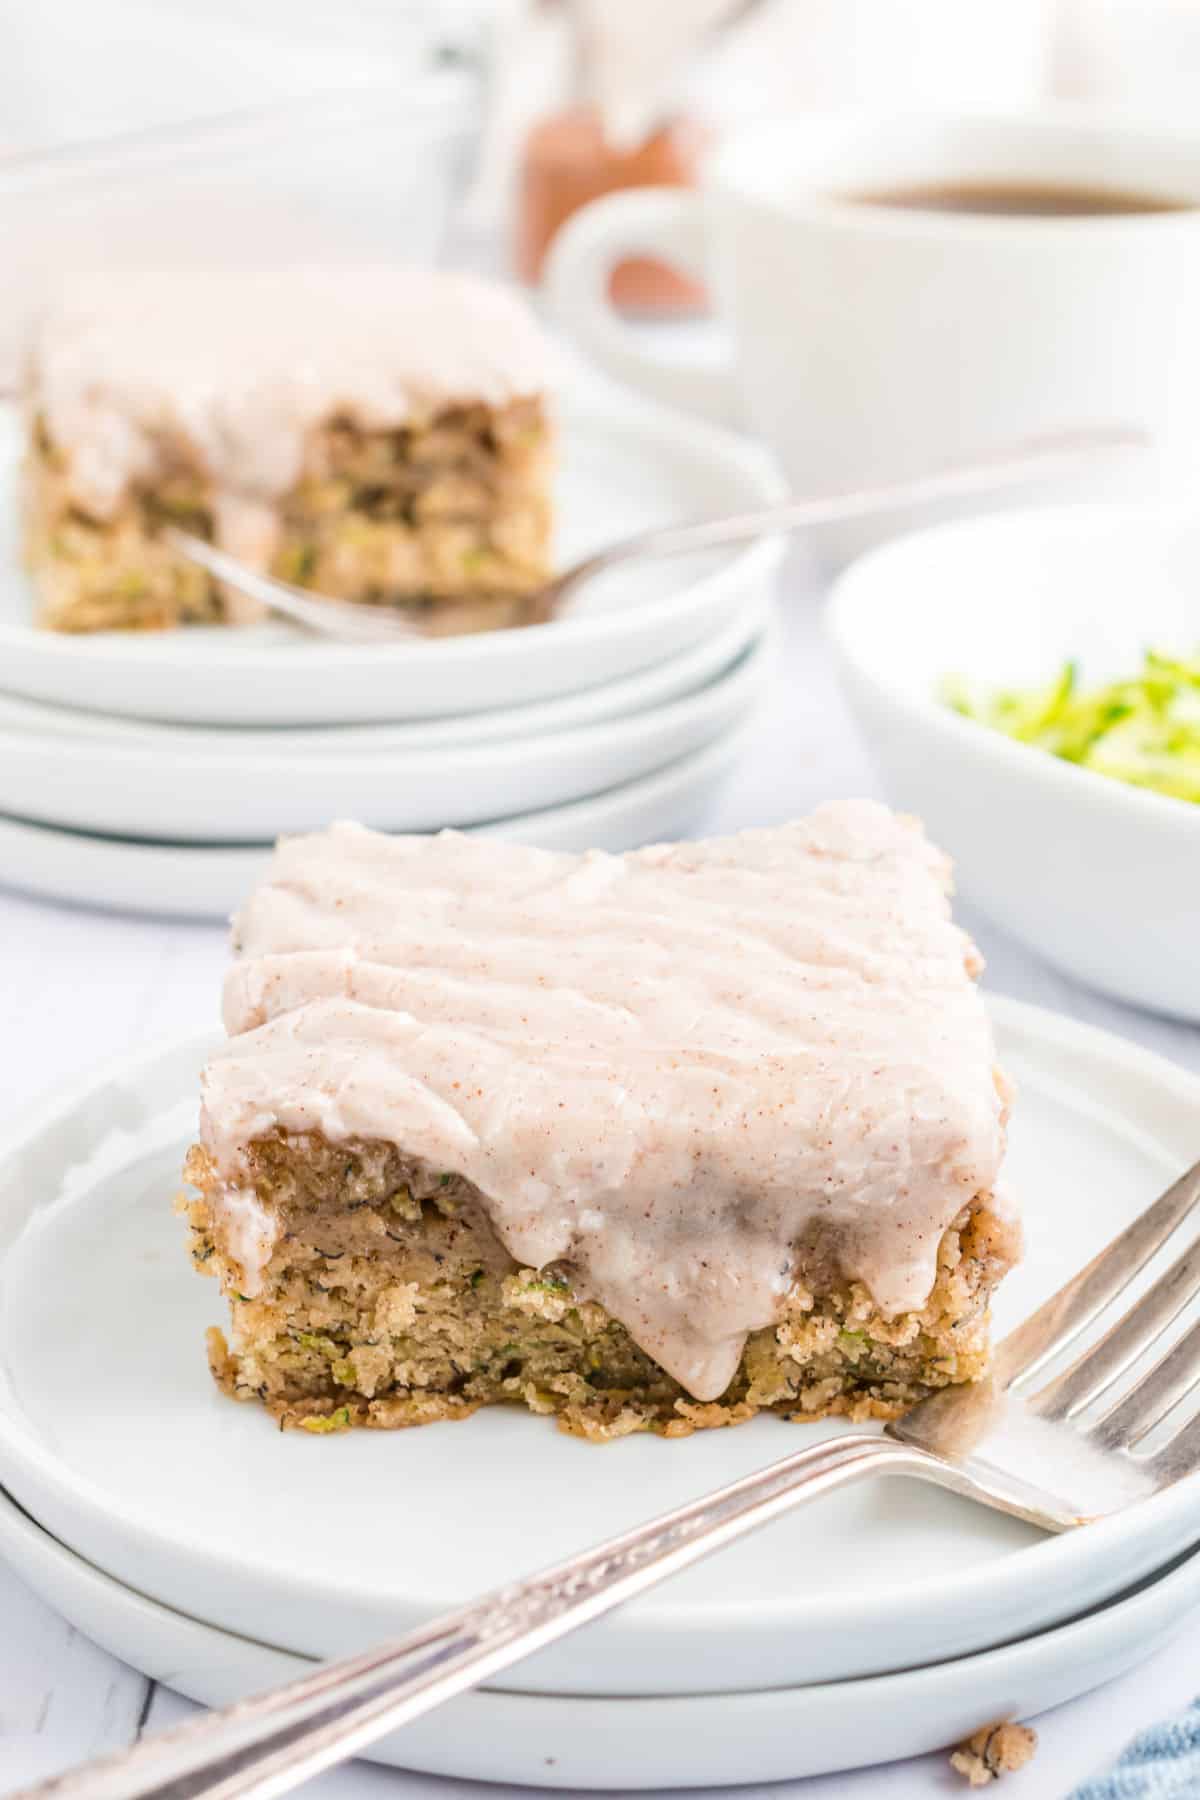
(1100, 877)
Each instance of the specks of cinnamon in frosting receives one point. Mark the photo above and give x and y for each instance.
(239, 368)
(691, 1073)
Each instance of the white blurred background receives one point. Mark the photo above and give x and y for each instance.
(163, 132)
(76, 70)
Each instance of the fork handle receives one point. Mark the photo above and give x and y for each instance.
(272, 1742)
(1029, 459)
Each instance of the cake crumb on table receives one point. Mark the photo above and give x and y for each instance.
(993, 1751)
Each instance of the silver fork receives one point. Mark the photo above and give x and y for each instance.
(1063, 453)
(1059, 1449)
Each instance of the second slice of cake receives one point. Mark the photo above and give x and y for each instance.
(645, 1141)
(375, 435)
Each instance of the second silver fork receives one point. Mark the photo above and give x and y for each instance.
(355, 621)
(1059, 1450)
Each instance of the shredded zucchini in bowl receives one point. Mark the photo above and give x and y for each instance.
(1144, 730)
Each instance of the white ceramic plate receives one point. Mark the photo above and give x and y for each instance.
(198, 881)
(201, 796)
(681, 674)
(540, 1740)
(626, 466)
(1100, 877)
(113, 1436)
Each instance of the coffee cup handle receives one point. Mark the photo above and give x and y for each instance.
(662, 222)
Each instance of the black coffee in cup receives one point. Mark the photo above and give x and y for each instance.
(1021, 199)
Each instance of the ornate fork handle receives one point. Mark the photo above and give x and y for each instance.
(269, 1744)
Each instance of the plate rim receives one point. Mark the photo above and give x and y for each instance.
(928, 1706)
(694, 765)
(747, 666)
(713, 654)
(882, 1686)
(80, 1494)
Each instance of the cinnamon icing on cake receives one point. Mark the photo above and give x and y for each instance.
(691, 1073)
(239, 368)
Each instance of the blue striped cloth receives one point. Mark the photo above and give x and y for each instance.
(1162, 1763)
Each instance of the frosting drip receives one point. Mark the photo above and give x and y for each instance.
(236, 370)
(690, 1073)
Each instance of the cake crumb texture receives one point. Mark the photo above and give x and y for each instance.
(389, 1301)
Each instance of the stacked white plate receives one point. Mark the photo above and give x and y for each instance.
(156, 770)
(194, 1539)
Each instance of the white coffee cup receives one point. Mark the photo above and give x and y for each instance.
(872, 342)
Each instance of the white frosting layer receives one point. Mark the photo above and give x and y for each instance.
(238, 368)
(669, 1069)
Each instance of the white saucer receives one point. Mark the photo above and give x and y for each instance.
(626, 466)
(195, 881)
(539, 1740)
(684, 673)
(181, 793)
(129, 1455)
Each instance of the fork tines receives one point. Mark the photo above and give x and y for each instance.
(1129, 1409)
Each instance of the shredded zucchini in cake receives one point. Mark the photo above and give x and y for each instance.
(1144, 729)
(388, 1301)
(381, 436)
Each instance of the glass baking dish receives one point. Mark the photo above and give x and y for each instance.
(371, 174)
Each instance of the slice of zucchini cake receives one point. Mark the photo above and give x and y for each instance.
(377, 435)
(651, 1141)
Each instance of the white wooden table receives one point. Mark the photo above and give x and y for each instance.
(77, 987)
